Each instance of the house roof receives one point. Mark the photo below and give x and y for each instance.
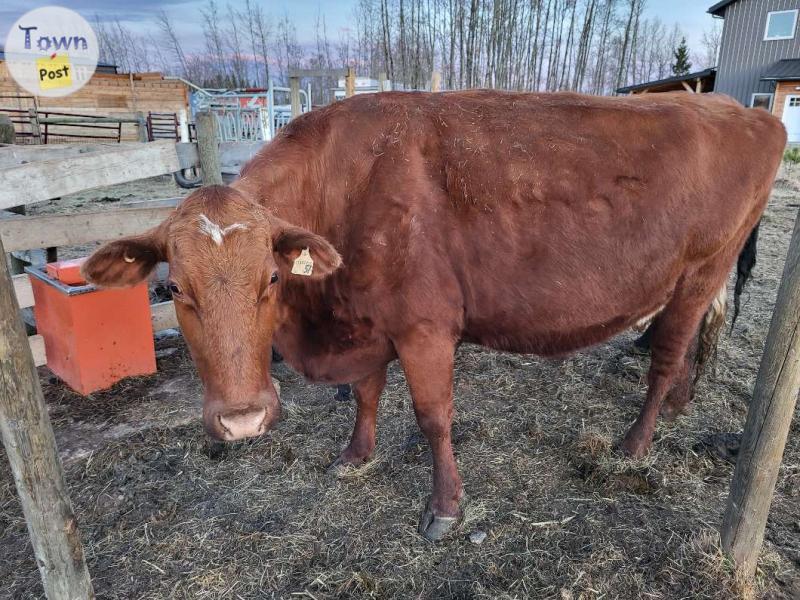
(787, 69)
(677, 79)
(718, 10)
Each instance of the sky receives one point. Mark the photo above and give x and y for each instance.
(137, 14)
(691, 15)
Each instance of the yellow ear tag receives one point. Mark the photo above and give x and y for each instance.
(303, 264)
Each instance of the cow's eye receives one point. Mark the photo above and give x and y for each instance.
(274, 277)
(174, 289)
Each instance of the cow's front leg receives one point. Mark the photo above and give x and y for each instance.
(362, 442)
(428, 364)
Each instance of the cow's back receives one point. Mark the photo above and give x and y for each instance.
(546, 221)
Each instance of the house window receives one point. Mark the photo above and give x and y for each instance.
(762, 101)
(781, 25)
(794, 101)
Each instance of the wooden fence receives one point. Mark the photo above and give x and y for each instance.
(31, 175)
(34, 126)
(163, 126)
(35, 174)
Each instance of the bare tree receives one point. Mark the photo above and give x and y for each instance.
(711, 42)
(234, 34)
(130, 52)
(215, 46)
(587, 33)
(628, 36)
(173, 43)
(592, 46)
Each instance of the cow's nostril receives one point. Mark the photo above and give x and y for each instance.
(243, 424)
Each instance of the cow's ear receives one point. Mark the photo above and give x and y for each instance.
(302, 253)
(127, 261)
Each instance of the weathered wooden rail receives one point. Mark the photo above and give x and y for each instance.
(37, 174)
(46, 127)
(33, 174)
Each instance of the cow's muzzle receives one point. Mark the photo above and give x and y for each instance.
(230, 423)
(242, 423)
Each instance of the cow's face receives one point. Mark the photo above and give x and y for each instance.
(227, 259)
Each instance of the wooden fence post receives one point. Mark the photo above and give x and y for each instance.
(294, 94)
(382, 81)
(350, 83)
(8, 136)
(36, 130)
(768, 420)
(183, 126)
(31, 448)
(141, 127)
(16, 265)
(208, 147)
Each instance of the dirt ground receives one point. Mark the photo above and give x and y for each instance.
(165, 514)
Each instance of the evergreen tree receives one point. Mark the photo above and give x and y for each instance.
(681, 66)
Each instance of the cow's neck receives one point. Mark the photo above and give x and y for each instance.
(309, 333)
(281, 200)
(292, 190)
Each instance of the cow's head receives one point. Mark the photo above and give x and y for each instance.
(227, 257)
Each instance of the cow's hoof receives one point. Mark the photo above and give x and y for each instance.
(343, 464)
(633, 446)
(432, 527)
(670, 412)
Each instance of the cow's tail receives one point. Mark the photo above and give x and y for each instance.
(744, 267)
(714, 319)
(710, 329)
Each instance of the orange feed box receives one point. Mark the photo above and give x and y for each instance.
(92, 337)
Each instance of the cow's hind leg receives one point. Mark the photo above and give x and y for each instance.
(682, 391)
(362, 442)
(701, 349)
(427, 361)
(673, 332)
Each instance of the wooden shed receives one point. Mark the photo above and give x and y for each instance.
(698, 82)
(107, 93)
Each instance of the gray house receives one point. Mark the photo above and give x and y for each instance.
(757, 35)
(759, 58)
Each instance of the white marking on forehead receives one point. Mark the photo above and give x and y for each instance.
(215, 232)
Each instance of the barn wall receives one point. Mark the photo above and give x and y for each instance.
(106, 94)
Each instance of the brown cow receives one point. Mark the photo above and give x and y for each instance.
(540, 223)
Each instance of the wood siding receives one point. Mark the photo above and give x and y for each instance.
(105, 94)
(785, 88)
(744, 55)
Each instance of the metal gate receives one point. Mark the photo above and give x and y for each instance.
(249, 116)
